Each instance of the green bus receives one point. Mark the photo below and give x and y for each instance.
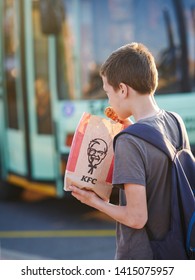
(50, 54)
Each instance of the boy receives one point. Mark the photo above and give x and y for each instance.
(141, 171)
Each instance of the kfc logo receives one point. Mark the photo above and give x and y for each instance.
(97, 151)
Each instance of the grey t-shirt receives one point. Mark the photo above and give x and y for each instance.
(138, 162)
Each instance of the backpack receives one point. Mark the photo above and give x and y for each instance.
(179, 242)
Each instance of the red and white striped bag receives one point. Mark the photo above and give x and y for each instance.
(90, 162)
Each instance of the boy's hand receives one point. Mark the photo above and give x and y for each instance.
(85, 196)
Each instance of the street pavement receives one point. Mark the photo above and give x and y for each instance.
(35, 228)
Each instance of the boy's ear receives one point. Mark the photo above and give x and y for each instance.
(123, 90)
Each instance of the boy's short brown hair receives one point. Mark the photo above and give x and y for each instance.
(133, 65)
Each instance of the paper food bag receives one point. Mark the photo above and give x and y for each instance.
(90, 162)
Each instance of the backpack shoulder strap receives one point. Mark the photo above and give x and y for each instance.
(181, 140)
(155, 137)
(150, 135)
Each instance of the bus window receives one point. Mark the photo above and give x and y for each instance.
(161, 25)
(191, 41)
(10, 63)
(65, 57)
(52, 16)
(63, 68)
(92, 29)
(41, 83)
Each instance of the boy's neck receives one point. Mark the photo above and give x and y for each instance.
(146, 107)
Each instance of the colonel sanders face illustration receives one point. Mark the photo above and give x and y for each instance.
(97, 150)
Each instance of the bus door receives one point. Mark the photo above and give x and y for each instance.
(40, 83)
(29, 158)
(12, 126)
(2, 120)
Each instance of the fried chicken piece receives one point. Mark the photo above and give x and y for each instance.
(110, 113)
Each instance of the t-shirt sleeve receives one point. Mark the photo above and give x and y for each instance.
(128, 163)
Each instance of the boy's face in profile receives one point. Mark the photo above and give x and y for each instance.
(111, 93)
(116, 99)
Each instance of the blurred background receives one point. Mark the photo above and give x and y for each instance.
(50, 54)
